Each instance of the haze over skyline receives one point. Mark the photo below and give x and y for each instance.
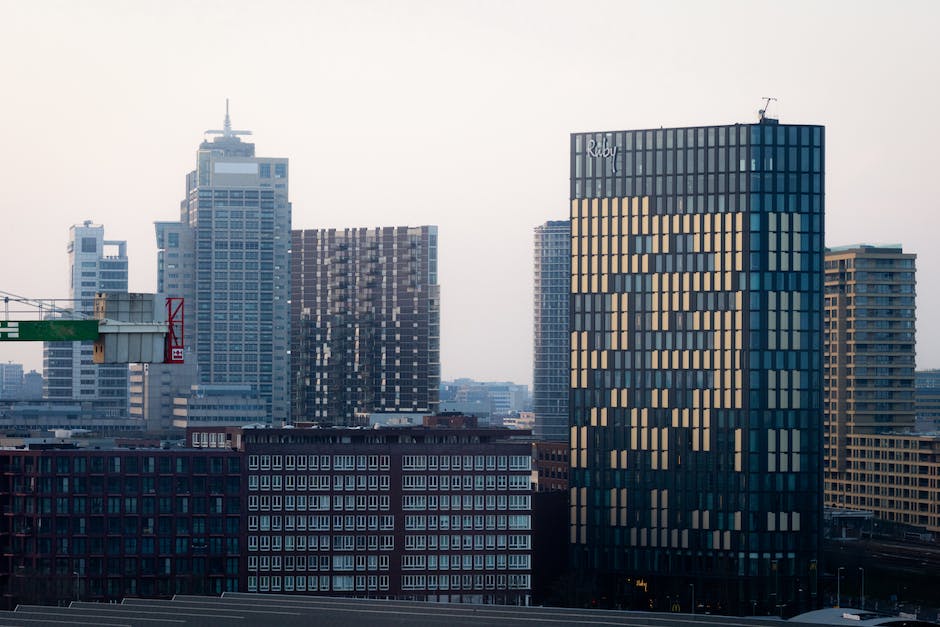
(449, 113)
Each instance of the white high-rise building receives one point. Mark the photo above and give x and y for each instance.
(228, 256)
(95, 265)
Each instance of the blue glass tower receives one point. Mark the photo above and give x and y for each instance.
(696, 365)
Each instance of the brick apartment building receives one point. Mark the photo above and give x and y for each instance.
(430, 513)
(104, 523)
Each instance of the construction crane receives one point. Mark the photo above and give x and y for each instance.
(762, 113)
(125, 328)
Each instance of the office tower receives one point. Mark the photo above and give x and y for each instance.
(696, 365)
(869, 376)
(552, 351)
(95, 265)
(228, 256)
(365, 313)
(11, 381)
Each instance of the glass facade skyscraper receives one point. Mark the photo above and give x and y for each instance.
(229, 257)
(696, 365)
(552, 353)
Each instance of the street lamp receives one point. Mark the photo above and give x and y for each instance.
(862, 573)
(839, 586)
(692, 585)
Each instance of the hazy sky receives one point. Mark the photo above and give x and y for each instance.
(447, 113)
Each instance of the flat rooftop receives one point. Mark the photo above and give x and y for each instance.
(263, 610)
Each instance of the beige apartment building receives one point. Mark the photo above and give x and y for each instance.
(874, 460)
(896, 476)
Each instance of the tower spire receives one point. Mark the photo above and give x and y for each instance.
(227, 132)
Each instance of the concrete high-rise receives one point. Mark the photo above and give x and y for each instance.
(869, 376)
(552, 330)
(95, 265)
(228, 256)
(365, 310)
(696, 365)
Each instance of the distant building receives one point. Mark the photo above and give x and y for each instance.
(218, 405)
(520, 420)
(154, 388)
(39, 416)
(32, 386)
(11, 381)
(869, 345)
(365, 311)
(484, 398)
(95, 265)
(552, 329)
(927, 400)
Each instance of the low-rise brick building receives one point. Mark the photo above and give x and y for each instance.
(430, 513)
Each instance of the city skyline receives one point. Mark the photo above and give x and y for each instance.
(477, 99)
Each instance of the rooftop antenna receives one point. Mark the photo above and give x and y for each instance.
(227, 131)
(762, 113)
